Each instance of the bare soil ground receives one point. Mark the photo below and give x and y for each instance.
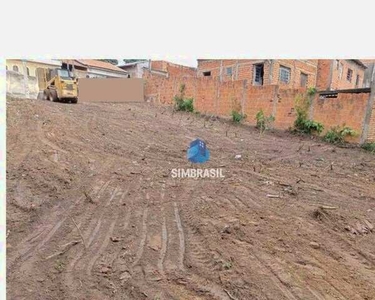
(93, 212)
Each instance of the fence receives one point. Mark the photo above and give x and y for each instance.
(353, 108)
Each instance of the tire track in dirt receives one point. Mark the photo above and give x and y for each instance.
(181, 237)
(42, 138)
(142, 242)
(25, 253)
(110, 258)
(272, 275)
(312, 291)
(197, 256)
(164, 247)
(106, 239)
(26, 249)
(164, 235)
(89, 235)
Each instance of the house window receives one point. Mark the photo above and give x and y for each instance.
(28, 71)
(284, 75)
(337, 64)
(15, 68)
(304, 78)
(258, 71)
(357, 81)
(229, 71)
(207, 73)
(349, 75)
(6, 67)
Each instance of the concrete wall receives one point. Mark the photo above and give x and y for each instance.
(369, 75)
(19, 88)
(212, 96)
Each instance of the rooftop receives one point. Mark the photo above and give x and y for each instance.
(100, 64)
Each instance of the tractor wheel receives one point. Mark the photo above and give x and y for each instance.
(52, 96)
(45, 95)
(74, 100)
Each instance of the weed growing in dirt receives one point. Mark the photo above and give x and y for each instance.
(227, 265)
(337, 134)
(308, 126)
(237, 117)
(302, 122)
(182, 103)
(369, 147)
(264, 123)
(59, 266)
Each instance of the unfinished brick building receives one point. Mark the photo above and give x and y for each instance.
(172, 69)
(340, 74)
(287, 73)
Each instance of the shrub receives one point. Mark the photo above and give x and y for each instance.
(337, 135)
(182, 103)
(263, 122)
(302, 123)
(311, 91)
(237, 117)
(369, 147)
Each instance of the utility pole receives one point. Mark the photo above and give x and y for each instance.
(368, 113)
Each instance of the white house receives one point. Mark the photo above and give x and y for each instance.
(135, 69)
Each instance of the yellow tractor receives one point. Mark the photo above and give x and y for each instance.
(60, 86)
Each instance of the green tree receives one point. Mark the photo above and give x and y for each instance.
(127, 61)
(111, 61)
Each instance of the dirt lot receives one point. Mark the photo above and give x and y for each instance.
(93, 213)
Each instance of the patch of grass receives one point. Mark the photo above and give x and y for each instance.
(369, 147)
(237, 117)
(337, 134)
(264, 123)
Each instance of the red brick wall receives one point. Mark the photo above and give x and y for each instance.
(211, 96)
(286, 113)
(259, 98)
(348, 109)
